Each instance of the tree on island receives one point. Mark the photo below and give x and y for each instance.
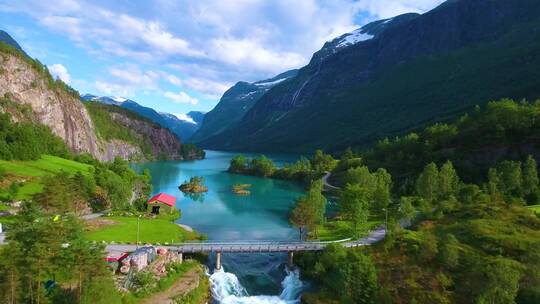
(238, 164)
(195, 185)
(262, 166)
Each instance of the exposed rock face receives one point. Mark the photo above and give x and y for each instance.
(68, 118)
(63, 113)
(162, 140)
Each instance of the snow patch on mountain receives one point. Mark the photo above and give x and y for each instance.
(118, 99)
(353, 38)
(269, 83)
(185, 117)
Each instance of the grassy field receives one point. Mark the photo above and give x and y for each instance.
(339, 230)
(32, 171)
(151, 231)
(535, 208)
(46, 165)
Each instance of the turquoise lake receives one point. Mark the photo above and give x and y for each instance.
(224, 216)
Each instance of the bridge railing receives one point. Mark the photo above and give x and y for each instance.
(258, 242)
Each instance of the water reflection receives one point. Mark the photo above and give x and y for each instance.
(222, 215)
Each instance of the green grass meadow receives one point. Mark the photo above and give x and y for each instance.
(151, 231)
(35, 169)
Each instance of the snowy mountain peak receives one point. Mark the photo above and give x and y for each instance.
(118, 99)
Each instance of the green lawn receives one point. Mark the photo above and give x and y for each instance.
(46, 165)
(339, 230)
(35, 169)
(535, 208)
(151, 231)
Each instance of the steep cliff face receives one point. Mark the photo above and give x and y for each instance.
(181, 128)
(52, 103)
(59, 110)
(396, 75)
(161, 141)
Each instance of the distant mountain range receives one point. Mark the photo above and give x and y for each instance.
(234, 104)
(387, 78)
(182, 126)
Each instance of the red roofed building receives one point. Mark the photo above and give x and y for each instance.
(161, 202)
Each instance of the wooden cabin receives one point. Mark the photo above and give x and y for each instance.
(161, 203)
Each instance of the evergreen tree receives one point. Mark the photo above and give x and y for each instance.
(449, 252)
(448, 181)
(530, 180)
(406, 208)
(321, 162)
(347, 154)
(511, 178)
(381, 193)
(494, 183)
(354, 204)
(427, 184)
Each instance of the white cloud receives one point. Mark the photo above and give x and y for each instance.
(60, 71)
(133, 75)
(181, 97)
(206, 86)
(252, 53)
(108, 88)
(210, 43)
(390, 8)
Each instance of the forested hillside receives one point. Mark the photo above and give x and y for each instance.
(413, 70)
(459, 200)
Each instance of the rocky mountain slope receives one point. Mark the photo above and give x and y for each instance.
(234, 104)
(149, 140)
(27, 82)
(396, 75)
(183, 129)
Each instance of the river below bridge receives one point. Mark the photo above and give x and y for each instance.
(224, 216)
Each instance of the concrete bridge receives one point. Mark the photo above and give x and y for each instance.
(289, 247)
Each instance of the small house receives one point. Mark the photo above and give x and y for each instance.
(161, 202)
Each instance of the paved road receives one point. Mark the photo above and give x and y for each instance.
(261, 246)
(92, 215)
(326, 185)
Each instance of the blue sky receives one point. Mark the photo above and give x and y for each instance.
(178, 56)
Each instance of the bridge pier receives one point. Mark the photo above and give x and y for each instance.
(290, 259)
(218, 260)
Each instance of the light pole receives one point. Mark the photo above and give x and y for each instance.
(138, 229)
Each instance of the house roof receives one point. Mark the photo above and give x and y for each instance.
(163, 198)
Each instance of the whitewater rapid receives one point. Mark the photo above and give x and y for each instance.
(226, 289)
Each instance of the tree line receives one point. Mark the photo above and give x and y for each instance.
(467, 240)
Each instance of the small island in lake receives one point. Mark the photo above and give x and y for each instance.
(241, 189)
(195, 185)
